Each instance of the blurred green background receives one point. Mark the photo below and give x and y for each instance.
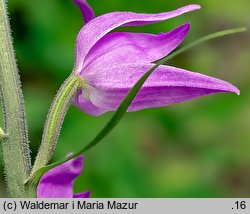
(200, 148)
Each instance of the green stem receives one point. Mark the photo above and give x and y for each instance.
(14, 145)
(55, 118)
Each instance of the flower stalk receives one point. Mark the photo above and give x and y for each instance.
(55, 118)
(14, 144)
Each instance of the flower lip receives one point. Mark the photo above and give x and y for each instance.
(166, 86)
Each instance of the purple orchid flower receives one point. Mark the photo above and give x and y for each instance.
(58, 182)
(110, 63)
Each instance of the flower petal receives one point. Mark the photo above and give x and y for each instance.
(93, 31)
(87, 12)
(58, 182)
(167, 85)
(121, 47)
(82, 195)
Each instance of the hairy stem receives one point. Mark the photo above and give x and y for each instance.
(55, 118)
(14, 145)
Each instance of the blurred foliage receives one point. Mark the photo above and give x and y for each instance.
(195, 149)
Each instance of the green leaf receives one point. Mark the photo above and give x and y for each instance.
(121, 110)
